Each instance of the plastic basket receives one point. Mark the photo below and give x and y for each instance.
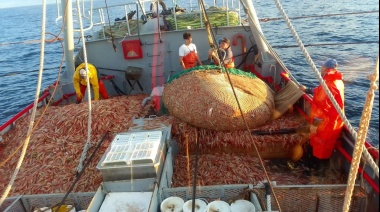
(224, 192)
(12, 204)
(30, 202)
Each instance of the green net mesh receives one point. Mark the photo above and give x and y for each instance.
(214, 68)
(203, 97)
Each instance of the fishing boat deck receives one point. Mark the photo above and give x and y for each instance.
(227, 169)
(57, 141)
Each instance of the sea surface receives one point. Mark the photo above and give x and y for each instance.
(20, 31)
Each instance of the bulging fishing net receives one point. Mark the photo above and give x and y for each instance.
(203, 97)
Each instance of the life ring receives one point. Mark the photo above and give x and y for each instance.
(163, 5)
(242, 38)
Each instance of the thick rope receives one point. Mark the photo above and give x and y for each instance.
(369, 158)
(31, 123)
(42, 113)
(273, 52)
(363, 127)
(247, 127)
(56, 38)
(88, 142)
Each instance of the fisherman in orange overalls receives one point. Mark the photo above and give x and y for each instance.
(188, 56)
(225, 52)
(80, 82)
(328, 131)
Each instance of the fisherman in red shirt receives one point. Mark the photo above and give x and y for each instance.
(328, 130)
(188, 55)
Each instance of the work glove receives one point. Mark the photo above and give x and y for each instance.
(79, 95)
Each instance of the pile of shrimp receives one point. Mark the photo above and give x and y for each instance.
(269, 146)
(228, 169)
(57, 142)
(56, 145)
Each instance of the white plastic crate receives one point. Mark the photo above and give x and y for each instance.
(137, 147)
(133, 155)
(126, 201)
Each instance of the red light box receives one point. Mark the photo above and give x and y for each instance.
(132, 49)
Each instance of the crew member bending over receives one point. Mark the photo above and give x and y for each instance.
(80, 83)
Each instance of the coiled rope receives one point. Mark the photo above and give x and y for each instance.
(363, 127)
(367, 156)
(88, 142)
(31, 123)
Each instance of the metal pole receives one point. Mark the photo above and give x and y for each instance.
(68, 38)
(256, 31)
(255, 26)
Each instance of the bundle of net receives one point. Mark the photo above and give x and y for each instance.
(203, 97)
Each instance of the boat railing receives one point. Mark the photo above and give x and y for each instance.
(101, 24)
(75, 11)
(107, 21)
(27, 110)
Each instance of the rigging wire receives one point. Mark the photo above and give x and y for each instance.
(195, 169)
(318, 16)
(42, 114)
(57, 38)
(78, 177)
(261, 20)
(272, 51)
(242, 115)
(31, 123)
(111, 32)
(326, 44)
(48, 103)
(363, 128)
(89, 123)
(109, 22)
(372, 163)
(210, 36)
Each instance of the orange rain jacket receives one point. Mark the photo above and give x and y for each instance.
(328, 131)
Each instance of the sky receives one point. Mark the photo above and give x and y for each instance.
(18, 3)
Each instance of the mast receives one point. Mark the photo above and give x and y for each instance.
(255, 27)
(68, 33)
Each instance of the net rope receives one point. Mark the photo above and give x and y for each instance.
(88, 142)
(241, 112)
(32, 118)
(212, 67)
(366, 154)
(363, 128)
(214, 105)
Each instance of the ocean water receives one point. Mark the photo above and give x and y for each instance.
(21, 31)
